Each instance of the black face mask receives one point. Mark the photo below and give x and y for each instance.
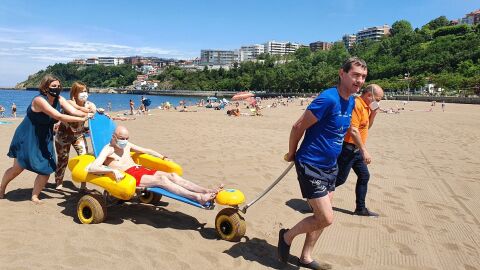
(54, 92)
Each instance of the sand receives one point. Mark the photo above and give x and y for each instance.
(425, 184)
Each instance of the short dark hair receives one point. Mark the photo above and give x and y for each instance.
(45, 83)
(357, 61)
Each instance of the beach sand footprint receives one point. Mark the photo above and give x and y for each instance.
(343, 261)
(393, 228)
(444, 218)
(354, 225)
(400, 189)
(405, 249)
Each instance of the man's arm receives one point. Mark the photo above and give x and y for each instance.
(303, 123)
(97, 167)
(372, 117)
(141, 150)
(355, 133)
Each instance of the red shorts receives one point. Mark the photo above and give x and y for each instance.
(138, 171)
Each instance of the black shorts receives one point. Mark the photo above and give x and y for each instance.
(315, 182)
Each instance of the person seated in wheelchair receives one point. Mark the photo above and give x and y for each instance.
(115, 158)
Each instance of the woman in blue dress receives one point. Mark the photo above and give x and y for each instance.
(32, 144)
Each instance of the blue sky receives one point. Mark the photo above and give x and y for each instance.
(36, 33)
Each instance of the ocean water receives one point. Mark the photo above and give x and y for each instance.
(119, 101)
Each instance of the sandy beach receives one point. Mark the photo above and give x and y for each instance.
(425, 184)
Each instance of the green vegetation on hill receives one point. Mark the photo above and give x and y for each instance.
(447, 56)
(93, 76)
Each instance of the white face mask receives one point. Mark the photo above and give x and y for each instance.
(83, 96)
(122, 143)
(374, 104)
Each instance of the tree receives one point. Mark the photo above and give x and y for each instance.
(437, 23)
(401, 26)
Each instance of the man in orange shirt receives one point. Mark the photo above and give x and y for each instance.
(354, 153)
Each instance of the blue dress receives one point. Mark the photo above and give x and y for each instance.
(32, 144)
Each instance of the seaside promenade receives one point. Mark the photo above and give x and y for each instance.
(425, 183)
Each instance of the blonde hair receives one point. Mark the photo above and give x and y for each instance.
(45, 83)
(77, 87)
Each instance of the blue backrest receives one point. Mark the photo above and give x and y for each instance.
(101, 130)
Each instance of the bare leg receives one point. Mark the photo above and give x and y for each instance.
(312, 238)
(175, 178)
(313, 226)
(38, 186)
(162, 180)
(9, 175)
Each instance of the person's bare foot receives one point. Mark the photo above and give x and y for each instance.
(216, 190)
(36, 200)
(206, 197)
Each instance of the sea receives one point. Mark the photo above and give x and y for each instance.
(120, 102)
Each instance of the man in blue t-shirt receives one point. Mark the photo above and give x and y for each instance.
(324, 124)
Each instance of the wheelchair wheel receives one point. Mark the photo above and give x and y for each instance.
(149, 197)
(91, 209)
(230, 225)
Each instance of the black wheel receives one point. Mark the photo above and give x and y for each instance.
(91, 209)
(230, 225)
(150, 197)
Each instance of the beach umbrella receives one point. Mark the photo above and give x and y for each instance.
(251, 100)
(212, 98)
(242, 95)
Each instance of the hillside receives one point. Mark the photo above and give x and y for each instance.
(439, 53)
(93, 76)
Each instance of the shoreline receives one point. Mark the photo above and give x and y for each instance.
(229, 94)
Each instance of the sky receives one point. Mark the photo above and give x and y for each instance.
(37, 33)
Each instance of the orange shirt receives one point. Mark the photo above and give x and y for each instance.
(360, 120)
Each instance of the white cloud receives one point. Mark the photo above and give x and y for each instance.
(12, 41)
(11, 30)
(36, 46)
(49, 59)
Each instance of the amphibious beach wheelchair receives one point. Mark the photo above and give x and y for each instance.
(92, 208)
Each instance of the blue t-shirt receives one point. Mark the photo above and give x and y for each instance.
(323, 140)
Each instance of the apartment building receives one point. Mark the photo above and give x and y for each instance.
(280, 48)
(78, 61)
(91, 61)
(218, 57)
(250, 52)
(373, 33)
(320, 46)
(471, 18)
(349, 40)
(110, 61)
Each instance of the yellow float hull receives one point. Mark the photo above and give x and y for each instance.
(124, 189)
(156, 163)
